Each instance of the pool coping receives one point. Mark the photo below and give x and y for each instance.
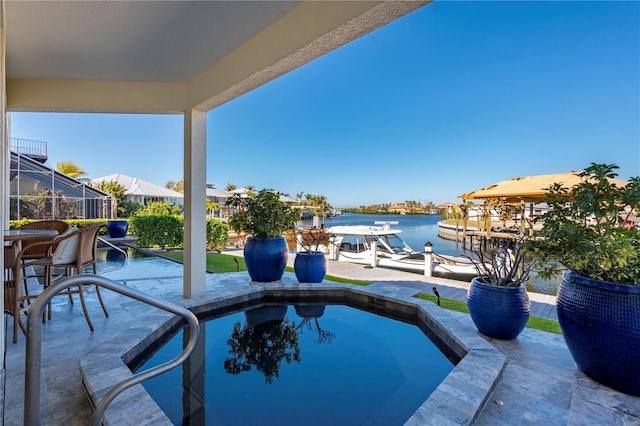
(459, 399)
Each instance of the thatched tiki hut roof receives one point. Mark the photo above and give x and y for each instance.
(521, 190)
(528, 189)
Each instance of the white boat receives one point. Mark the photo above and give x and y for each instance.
(380, 246)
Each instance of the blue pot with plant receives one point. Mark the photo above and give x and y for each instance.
(264, 218)
(310, 264)
(585, 233)
(497, 298)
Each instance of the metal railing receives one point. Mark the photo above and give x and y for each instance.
(29, 147)
(34, 344)
(123, 252)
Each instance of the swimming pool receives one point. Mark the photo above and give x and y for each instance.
(458, 399)
(300, 364)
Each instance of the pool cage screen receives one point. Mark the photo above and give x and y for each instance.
(39, 192)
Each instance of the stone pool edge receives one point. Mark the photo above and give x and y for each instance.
(457, 400)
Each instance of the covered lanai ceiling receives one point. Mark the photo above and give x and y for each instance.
(161, 41)
(169, 56)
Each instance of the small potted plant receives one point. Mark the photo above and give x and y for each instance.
(264, 218)
(598, 301)
(310, 264)
(497, 298)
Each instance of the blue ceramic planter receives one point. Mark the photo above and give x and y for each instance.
(266, 258)
(117, 228)
(600, 322)
(498, 312)
(310, 267)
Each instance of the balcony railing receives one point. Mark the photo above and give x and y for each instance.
(30, 148)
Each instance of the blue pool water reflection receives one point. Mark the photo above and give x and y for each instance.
(337, 366)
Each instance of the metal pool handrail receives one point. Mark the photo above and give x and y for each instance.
(34, 344)
(124, 253)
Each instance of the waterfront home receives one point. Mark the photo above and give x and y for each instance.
(141, 191)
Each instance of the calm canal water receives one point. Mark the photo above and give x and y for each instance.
(418, 229)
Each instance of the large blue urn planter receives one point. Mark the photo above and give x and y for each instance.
(117, 228)
(498, 311)
(266, 258)
(310, 267)
(600, 322)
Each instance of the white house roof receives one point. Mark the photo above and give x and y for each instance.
(138, 187)
(215, 192)
(241, 191)
(244, 193)
(287, 199)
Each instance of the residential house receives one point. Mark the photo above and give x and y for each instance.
(143, 192)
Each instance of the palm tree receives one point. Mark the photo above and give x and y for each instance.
(70, 169)
(319, 203)
(230, 187)
(116, 191)
(175, 186)
(211, 206)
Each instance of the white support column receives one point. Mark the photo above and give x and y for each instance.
(5, 158)
(195, 194)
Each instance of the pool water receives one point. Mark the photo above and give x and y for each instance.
(321, 365)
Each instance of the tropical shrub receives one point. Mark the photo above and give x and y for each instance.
(158, 230)
(217, 235)
(158, 208)
(262, 215)
(581, 230)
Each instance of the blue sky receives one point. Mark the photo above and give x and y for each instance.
(453, 97)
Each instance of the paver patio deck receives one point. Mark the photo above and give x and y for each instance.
(540, 383)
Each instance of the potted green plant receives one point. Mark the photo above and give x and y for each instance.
(497, 298)
(264, 217)
(598, 300)
(310, 264)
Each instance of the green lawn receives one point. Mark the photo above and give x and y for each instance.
(221, 263)
(537, 323)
